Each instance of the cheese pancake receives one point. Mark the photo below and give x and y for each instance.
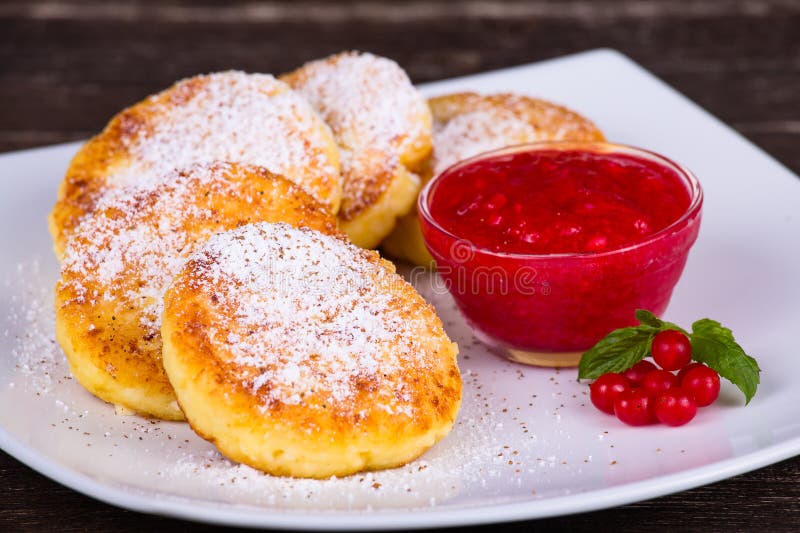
(383, 129)
(123, 255)
(227, 116)
(302, 355)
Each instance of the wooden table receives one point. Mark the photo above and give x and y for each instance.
(66, 67)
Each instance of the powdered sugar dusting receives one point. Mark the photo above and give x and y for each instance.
(367, 100)
(476, 132)
(468, 124)
(131, 247)
(523, 434)
(374, 111)
(153, 455)
(307, 315)
(233, 116)
(35, 352)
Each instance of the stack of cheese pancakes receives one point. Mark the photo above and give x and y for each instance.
(216, 265)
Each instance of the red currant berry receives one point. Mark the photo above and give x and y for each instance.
(674, 407)
(671, 349)
(702, 385)
(635, 407)
(682, 372)
(657, 381)
(605, 389)
(637, 372)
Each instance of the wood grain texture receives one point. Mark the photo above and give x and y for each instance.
(66, 67)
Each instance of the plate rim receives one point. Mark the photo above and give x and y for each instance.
(313, 520)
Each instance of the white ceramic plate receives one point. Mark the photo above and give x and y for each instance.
(527, 443)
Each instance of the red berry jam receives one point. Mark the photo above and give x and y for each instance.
(547, 247)
(558, 201)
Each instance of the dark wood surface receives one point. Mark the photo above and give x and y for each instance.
(66, 67)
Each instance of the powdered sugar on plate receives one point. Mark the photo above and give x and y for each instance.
(30, 326)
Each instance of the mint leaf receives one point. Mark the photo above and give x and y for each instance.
(617, 351)
(714, 345)
(647, 318)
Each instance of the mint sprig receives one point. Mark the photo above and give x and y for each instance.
(712, 344)
(623, 348)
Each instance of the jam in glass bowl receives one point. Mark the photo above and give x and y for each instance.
(547, 247)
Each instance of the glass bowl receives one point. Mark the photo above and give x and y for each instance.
(547, 309)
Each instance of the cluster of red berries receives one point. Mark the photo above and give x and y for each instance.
(645, 394)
